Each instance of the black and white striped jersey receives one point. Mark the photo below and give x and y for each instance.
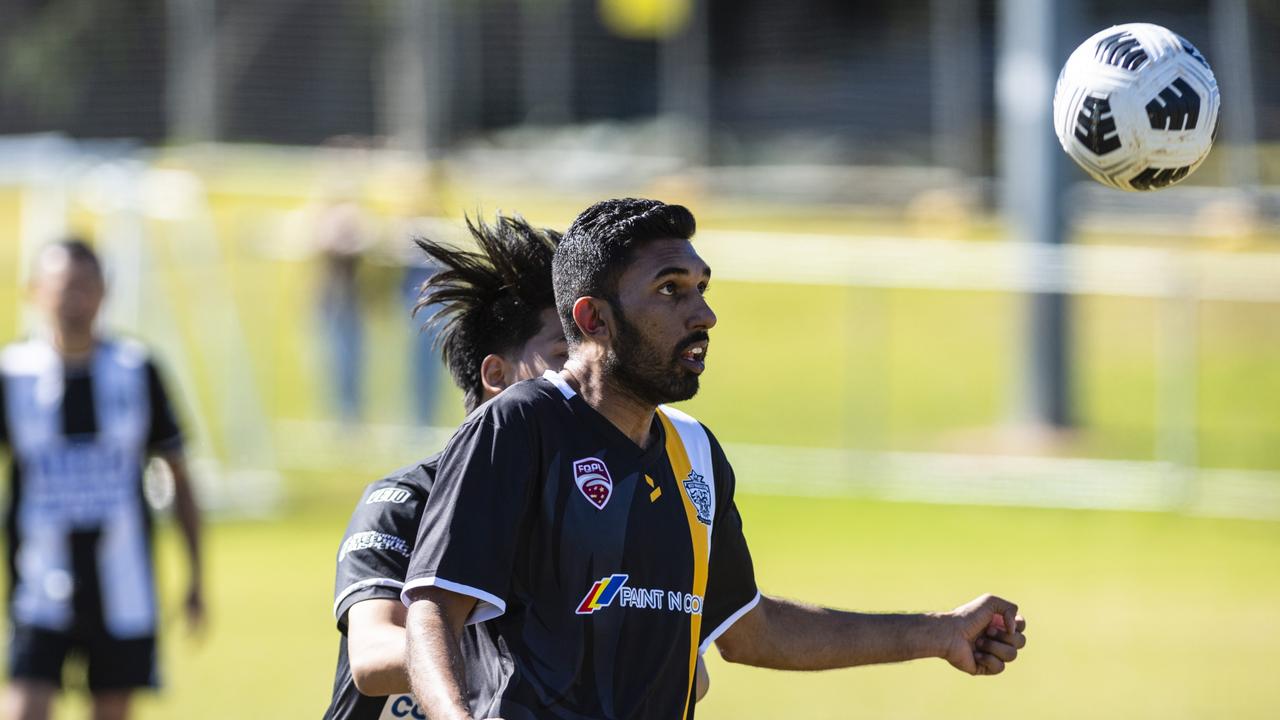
(79, 531)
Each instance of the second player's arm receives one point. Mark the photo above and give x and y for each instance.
(787, 635)
(376, 646)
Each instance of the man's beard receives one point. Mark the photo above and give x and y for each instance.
(646, 372)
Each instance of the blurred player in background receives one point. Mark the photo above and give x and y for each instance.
(593, 530)
(424, 366)
(343, 241)
(81, 415)
(498, 326)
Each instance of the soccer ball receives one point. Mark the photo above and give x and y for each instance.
(1136, 106)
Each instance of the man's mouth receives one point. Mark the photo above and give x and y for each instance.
(694, 356)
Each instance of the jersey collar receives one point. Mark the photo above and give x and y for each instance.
(615, 436)
(556, 379)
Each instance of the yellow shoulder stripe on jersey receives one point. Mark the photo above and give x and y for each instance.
(678, 456)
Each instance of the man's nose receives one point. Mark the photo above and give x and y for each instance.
(704, 318)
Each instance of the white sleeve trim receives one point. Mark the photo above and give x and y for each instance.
(367, 582)
(706, 644)
(488, 606)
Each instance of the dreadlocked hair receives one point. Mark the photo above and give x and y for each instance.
(490, 300)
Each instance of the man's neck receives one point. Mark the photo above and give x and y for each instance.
(73, 346)
(630, 415)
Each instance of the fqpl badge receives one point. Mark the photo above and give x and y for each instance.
(593, 480)
(700, 495)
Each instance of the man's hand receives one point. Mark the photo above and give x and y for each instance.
(983, 635)
(193, 608)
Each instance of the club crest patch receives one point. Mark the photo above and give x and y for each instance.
(699, 493)
(593, 480)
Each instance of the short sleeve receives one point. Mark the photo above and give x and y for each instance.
(164, 435)
(471, 528)
(731, 578)
(374, 555)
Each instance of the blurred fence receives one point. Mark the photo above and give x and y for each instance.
(880, 82)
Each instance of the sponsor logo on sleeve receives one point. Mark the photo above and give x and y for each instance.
(593, 481)
(373, 540)
(388, 495)
(401, 706)
(699, 493)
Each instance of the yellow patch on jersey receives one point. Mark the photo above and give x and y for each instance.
(656, 492)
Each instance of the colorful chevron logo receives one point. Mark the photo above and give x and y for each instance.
(601, 594)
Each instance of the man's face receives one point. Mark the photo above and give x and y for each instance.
(545, 351)
(67, 291)
(661, 320)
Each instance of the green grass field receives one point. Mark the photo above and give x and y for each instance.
(1130, 615)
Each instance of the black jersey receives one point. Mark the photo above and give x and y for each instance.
(372, 560)
(79, 540)
(600, 569)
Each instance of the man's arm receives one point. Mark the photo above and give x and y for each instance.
(787, 635)
(435, 622)
(376, 646)
(369, 575)
(164, 440)
(184, 504)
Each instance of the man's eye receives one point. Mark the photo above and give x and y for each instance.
(668, 289)
(702, 288)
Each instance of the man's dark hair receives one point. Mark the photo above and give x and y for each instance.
(597, 248)
(487, 301)
(77, 249)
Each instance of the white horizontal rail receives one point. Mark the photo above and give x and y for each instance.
(1022, 481)
(945, 478)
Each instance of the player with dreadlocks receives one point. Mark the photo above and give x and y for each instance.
(498, 326)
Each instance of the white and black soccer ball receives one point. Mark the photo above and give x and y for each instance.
(1136, 106)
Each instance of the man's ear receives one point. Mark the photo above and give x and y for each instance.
(594, 317)
(494, 374)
